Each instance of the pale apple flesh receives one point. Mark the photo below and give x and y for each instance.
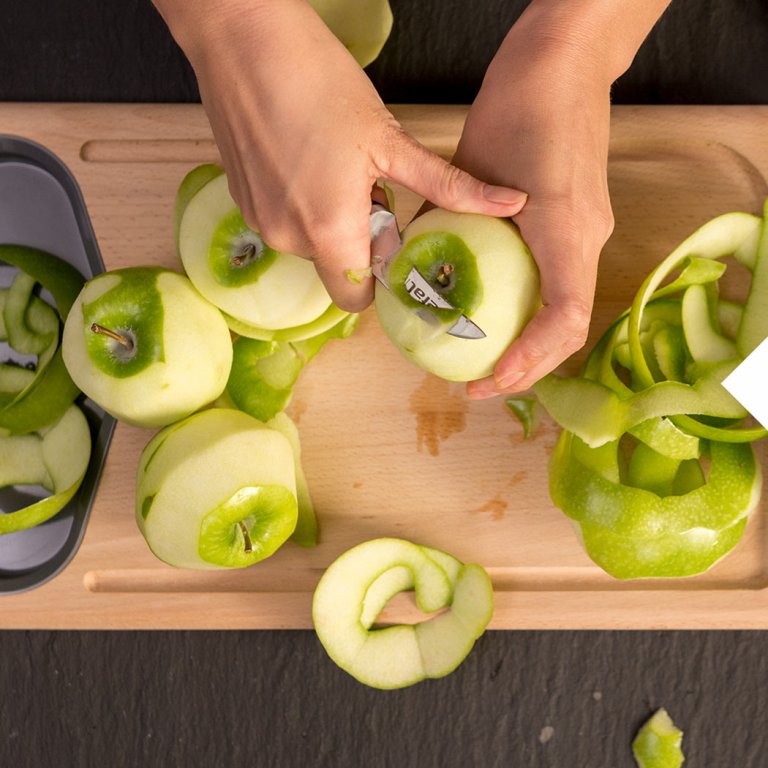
(363, 26)
(179, 353)
(506, 296)
(287, 292)
(357, 585)
(306, 532)
(217, 490)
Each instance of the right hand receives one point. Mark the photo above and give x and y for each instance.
(304, 136)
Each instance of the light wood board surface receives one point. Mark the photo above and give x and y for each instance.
(388, 449)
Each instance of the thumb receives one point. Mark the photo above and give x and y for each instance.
(415, 167)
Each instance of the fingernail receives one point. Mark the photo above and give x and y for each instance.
(509, 379)
(504, 195)
(482, 394)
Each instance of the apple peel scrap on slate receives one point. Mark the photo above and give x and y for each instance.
(358, 584)
(655, 463)
(658, 743)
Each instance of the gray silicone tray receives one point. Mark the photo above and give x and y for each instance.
(41, 206)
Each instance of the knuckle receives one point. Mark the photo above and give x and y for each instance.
(278, 237)
(452, 182)
(575, 314)
(606, 223)
(393, 144)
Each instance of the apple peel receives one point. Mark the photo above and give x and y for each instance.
(357, 585)
(658, 743)
(655, 462)
(51, 391)
(56, 457)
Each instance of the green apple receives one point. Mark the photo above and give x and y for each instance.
(362, 25)
(217, 490)
(253, 284)
(145, 346)
(357, 585)
(44, 397)
(56, 458)
(483, 269)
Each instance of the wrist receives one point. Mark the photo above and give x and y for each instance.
(600, 37)
(196, 25)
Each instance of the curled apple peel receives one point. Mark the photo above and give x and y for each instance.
(655, 463)
(356, 587)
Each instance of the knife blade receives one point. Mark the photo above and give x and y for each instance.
(385, 245)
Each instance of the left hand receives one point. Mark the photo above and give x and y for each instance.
(541, 123)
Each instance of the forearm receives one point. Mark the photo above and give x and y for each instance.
(602, 35)
(198, 24)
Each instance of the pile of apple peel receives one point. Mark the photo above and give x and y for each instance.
(655, 462)
(44, 438)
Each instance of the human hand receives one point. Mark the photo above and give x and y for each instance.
(541, 123)
(304, 136)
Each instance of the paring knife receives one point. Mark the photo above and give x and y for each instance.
(385, 245)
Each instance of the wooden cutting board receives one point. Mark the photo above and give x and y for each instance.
(388, 449)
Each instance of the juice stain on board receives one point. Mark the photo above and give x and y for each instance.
(495, 507)
(440, 409)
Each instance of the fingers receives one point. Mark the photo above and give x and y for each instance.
(342, 262)
(336, 239)
(568, 268)
(415, 167)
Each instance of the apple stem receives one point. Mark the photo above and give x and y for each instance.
(246, 538)
(119, 338)
(443, 275)
(248, 253)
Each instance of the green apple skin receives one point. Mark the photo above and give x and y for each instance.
(200, 478)
(56, 458)
(279, 292)
(357, 585)
(263, 372)
(45, 398)
(506, 298)
(183, 349)
(363, 26)
(658, 743)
